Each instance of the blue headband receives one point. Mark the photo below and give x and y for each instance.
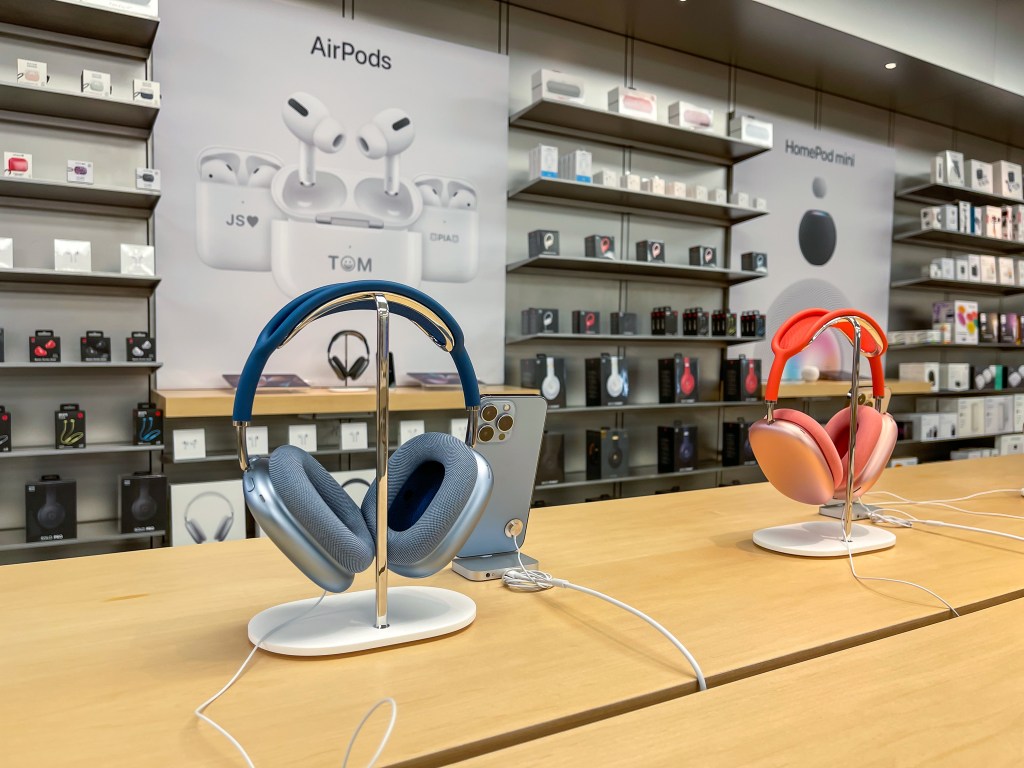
(293, 313)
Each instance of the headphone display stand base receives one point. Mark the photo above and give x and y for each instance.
(823, 538)
(343, 623)
(348, 389)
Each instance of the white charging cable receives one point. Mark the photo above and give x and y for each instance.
(523, 579)
(199, 711)
(909, 521)
(902, 501)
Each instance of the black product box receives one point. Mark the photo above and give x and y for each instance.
(678, 379)
(607, 454)
(696, 322)
(543, 242)
(143, 502)
(741, 380)
(752, 324)
(69, 427)
(551, 462)
(677, 448)
(664, 321)
(95, 347)
(147, 425)
(753, 261)
(50, 513)
(586, 321)
(723, 323)
(703, 256)
(624, 324)
(1, 345)
(904, 430)
(6, 423)
(607, 380)
(546, 374)
(599, 247)
(44, 347)
(140, 347)
(736, 448)
(987, 327)
(1009, 328)
(539, 321)
(650, 250)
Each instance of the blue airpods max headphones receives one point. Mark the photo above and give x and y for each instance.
(438, 486)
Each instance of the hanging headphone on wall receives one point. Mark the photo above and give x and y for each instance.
(360, 364)
(802, 459)
(438, 486)
(195, 530)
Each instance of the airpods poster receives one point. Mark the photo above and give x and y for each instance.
(828, 235)
(311, 149)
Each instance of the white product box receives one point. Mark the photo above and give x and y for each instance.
(576, 166)
(742, 199)
(654, 185)
(1020, 272)
(607, 178)
(1006, 179)
(631, 181)
(974, 267)
(32, 73)
(72, 255)
(928, 372)
(955, 377)
(933, 271)
(1006, 223)
(302, 436)
(979, 176)
(96, 84)
(6, 253)
(629, 101)
(964, 218)
(410, 428)
(993, 221)
(760, 204)
(1017, 223)
(977, 409)
(687, 115)
(1018, 413)
(718, 195)
(998, 413)
(1007, 272)
(937, 170)
(926, 405)
(138, 259)
(948, 218)
(947, 426)
(699, 192)
(931, 217)
(257, 441)
(989, 272)
(675, 189)
(457, 428)
(147, 178)
(962, 268)
(18, 165)
(146, 92)
(1010, 444)
(963, 454)
(544, 162)
(750, 129)
(353, 436)
(947, 268)
(903, 461)
(132, 7)
(953, 166)
(79, 172)
(189, 443)
(961, 408)
(926, 425)
(552, 84)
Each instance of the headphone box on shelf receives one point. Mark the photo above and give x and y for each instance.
(754, 261)
(6, 441)
(95, 347)
(677, 447)
(547, 374)
(607, 380)
(551, 462)
(542, 242)
(69, 427)
(736, 448)
(142, 500)
(624, 324)
(650, 250)
(703, 256)
(586, 321)
(599, 247)
(536, 320)
(146, 92)
(140, 347)
(50, 509)
(741, 380)
(678, 379)
(44, 347)
(147, 425)
(607, 454)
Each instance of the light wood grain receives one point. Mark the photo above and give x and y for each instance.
(118, 649)
(951, 694)
(801, 389)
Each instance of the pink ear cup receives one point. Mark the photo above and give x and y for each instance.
(869, 462)
(797, 456)
(869, 428)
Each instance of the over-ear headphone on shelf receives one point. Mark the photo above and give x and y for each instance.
(615, 384)
(438, 486)
(802, 459)
(52, 513)
(687, 382)
(195, 530)
(144, 507)
(548, 319)
(358, 367)
(550, 387)
(589, 321)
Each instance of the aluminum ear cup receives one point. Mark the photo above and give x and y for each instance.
(797, 456)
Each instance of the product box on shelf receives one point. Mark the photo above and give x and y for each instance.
(926, 372)
(32, 73)
(993, 222)
(1007, 223)
(937, 170)
(926, 404)
(650, 250)
(742, 199)
(973, 268)
(586, 321)
(736, 448)
(723, 323)
(703, 256)
(551, 462)
(607, 453)
(1006, 179)
(677, 447)
(6, 253)
(686, 115)
(142, 501)
(72, 255)
(903, 461)
(754, 261)
(543, 242)
(752, 323)
(1010, 444)
(559, 86)
(696, 322)
(138, 259)
(1009, 328)
(989, 271)
(741, 379)
(965, 217)
(1, 345)
(678, 379)
(979, 176)
(655, 185)
(947, 426)
(631, 181)
(606, 178)
(698, 192)
(960, 407)
(948, 218)
(18, 165)
(955, 377)
(988, 327)
(962, 268)
(675, 188)
(95, 347)
(988, 377)
(544, 162)
(599, 247)
(998, 413)
(536, 320)
(920, 427)
(147, 178)
(953, 167)
(69, 427)
(1018, 413)
(978, 220)
(576, 166)
(147, 425)
(962, 317)
(79, 172)
(547, 374)
(759, 203)
(664, 321)
(750, 129)
(44, 347)
(6, 424)
(718, 195)
(1007, 273)
(96, 83)
(624, 324)
(140, 347)
(1017, 223)
(634, 103)
(146, 92)
(607, 380)
(50, 509)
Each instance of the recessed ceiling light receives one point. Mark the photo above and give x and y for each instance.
(891, 65)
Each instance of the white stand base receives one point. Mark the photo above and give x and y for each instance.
(344, 623)
(348, 389)
(822, 538)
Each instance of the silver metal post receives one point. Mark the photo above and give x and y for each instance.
(383, 316)
(854, 387)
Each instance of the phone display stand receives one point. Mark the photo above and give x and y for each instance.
(823, 538)
(357, 621)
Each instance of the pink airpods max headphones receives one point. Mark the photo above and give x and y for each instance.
(802, 459)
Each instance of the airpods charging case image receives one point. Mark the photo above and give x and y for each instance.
(450, 239)
(341, 195)
(308, 255)
(233, 226)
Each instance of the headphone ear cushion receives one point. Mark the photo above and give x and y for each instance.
(321, 507)
(196, 531)
(431, 510)
(869, 432)
(357, 368)
(223, 528)
(797, 456)
(338, 367)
